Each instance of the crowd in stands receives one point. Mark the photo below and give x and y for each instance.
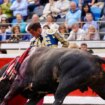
(73, 19)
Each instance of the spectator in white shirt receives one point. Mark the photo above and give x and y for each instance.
(76, 33)
(51, 23)
(50, 8)
(63, 7)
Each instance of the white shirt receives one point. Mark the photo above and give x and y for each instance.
(63, 5)
(79, 35)
(50, 8)
(53, 26)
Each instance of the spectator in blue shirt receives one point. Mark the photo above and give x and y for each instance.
(73, 15)
(20, 7)
(3, 33)
(89, 22)
(20, 22)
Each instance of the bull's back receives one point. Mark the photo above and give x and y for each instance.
(50, 57)
(45, 60)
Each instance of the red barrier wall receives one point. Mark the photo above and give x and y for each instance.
(21, 101)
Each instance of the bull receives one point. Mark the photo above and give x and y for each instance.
(57, 71)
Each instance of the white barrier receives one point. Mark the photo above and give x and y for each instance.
(76, 100)
(24, 45)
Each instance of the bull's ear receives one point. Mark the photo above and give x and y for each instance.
(99, 59)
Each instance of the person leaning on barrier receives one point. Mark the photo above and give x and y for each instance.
(84, 47)
(50, 39)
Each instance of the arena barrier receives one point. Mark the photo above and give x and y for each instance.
(75, 97)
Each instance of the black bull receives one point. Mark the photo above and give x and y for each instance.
(57, 71)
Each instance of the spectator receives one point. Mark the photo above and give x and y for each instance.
(85, 48)
(20, 7)
(63, 7)
(35, 18)
(76, 33)
(20, 22)
(16, 34)
(3, 51)
(100, 3)
(45, 28)
(1, 14)
(89, 22)
(3, 33)
(72, 16)
(5, 22)
(33, 4)
(92, 34)
(89, 2)
(6, 8)
(50, 22)
(63, 31)
(85, 10)
(50, 8)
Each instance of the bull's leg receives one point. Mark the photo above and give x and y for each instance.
(72, 78)
(14, 90)
(63, 89)
(67, 85)
(99, 88)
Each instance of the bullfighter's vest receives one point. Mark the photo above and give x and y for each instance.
(37, 42)
(49, 39)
